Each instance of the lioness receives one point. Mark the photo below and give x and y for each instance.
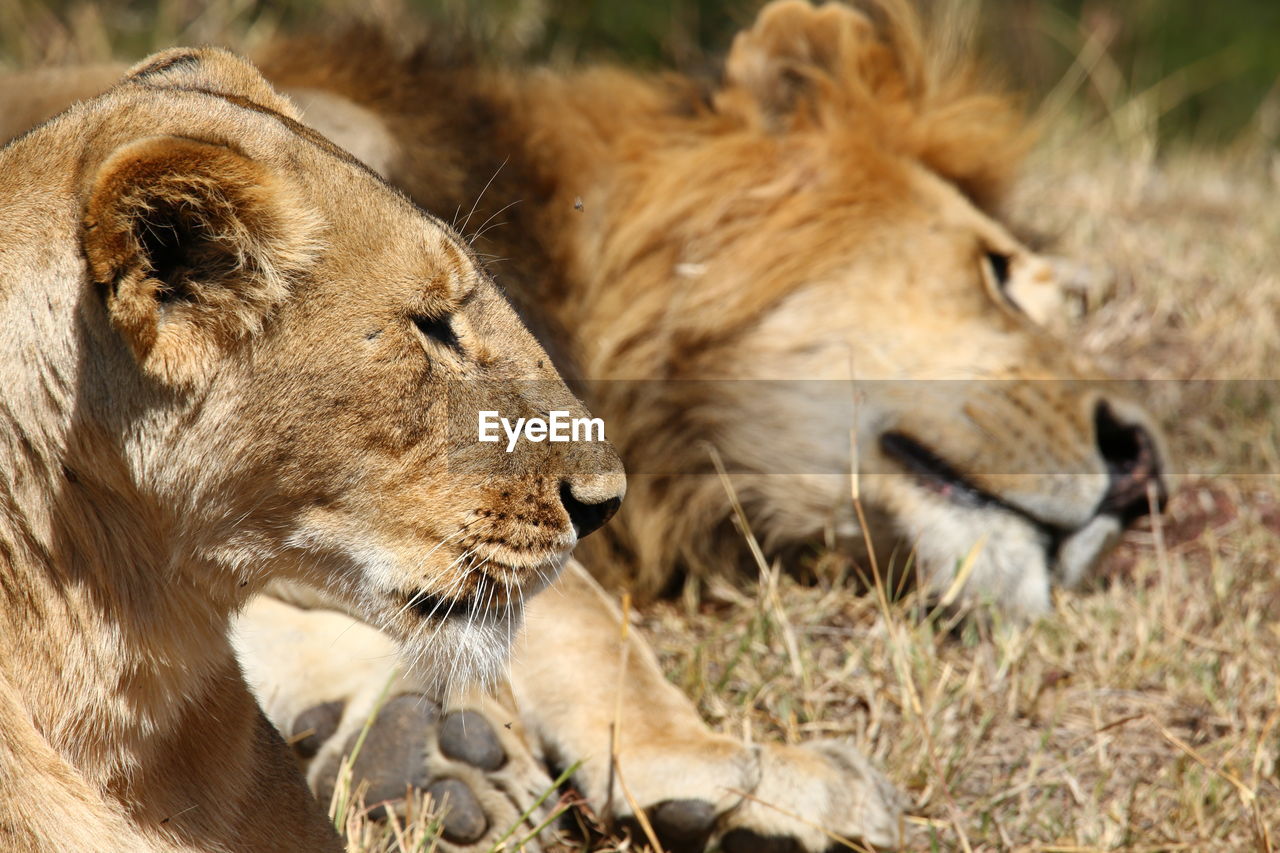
(229, 354)
(826, 211)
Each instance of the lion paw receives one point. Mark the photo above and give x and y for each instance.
(475, 770)
(776, 799)
(810, 794)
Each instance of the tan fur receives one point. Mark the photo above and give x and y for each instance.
(216, 374)
(825, 214)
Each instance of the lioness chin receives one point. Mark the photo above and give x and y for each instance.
(230, 353)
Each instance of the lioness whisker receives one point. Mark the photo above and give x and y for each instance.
(485, 189)
(447, 593)
(452, 602)
(461, 530)
(480, 231)
(506, 615)
(457, 649)
(444, 620)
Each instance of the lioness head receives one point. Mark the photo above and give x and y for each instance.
(237, 354)
(827, 215)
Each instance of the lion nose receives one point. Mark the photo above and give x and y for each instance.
(1133, 465)
(591, 501)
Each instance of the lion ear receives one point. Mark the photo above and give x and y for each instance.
(796, 56)
(832, 67)
(194, 244)
(210, 69)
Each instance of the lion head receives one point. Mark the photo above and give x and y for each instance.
(233, 354)
(827, 214)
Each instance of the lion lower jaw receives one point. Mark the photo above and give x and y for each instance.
(1005, 560)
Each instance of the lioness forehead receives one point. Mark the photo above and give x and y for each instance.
(256, 130)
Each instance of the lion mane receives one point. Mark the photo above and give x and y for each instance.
(692, 252)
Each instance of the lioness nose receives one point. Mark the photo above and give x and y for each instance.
(591, 501)
(1133, 463)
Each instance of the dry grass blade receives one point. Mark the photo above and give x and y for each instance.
(615, 730)
(340, 807)
(1247, 794)
(769, 574)
(962, 574)
(897, 645)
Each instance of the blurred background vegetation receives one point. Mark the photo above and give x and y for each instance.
(1170, 71)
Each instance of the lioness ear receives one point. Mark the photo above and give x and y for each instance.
(210, 69)
(194, 245)
(794, 56)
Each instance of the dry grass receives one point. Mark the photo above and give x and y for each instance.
(1144, 714)
(1141, 715)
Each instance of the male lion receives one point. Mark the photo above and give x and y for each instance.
(695, 258)
(230, 352)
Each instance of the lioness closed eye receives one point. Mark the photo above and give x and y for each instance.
(230, 352)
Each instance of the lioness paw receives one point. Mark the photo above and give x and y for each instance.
(477, 773)
(328, 683)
